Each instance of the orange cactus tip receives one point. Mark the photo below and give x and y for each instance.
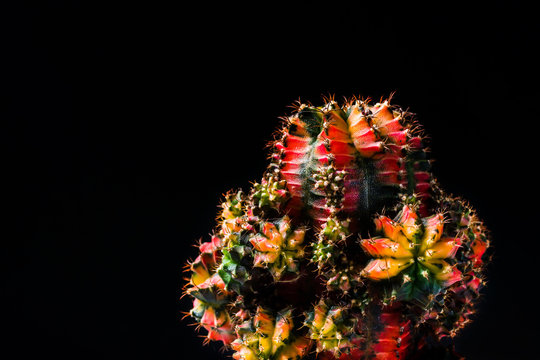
(393, 231)
(381, 269)
(296, 350)
(408, 216)
(243, 352)
(262, 258)
(264, 244)
(200, 272)
(242, 314)
(478, 248)
(319, 317)
(382, 222)
(474, 283)
(444, 248)
(225, 336)
(450, 278)
(211, 246)
(231, 225)
(443, 271)
(383, 247)
(409, 223)
(213, 281)
(282, 329)
(433, 231)
(271, 232)
(297, 238)
(219, 325)
(264, 321)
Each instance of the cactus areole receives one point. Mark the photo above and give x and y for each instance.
(347, 248)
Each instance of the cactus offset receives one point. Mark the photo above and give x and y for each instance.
(346, 249)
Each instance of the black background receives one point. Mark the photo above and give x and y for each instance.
(126, 123)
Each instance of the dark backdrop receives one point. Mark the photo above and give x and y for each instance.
(125, 124)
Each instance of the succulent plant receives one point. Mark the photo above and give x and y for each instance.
(347, 248)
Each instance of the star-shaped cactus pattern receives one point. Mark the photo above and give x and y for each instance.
(266, 336)
(277, 246)
(414, 248)
(332, 328)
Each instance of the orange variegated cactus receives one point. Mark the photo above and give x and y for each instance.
(278, 247)
(409, 241)
(284, 276)
(269, 337)
(210, 296)
(332, 328)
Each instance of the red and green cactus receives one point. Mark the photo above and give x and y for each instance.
(346, 249)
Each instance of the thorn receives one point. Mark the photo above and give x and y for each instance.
(187, 314)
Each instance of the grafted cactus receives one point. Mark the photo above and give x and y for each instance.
(346, 249)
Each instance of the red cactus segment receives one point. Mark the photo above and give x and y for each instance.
(337, 129)
(319, 211)
(214, 281)
(392, 167)
(399, 137)
(444, 248)
(383, 247)
(339, 144)
(433, 231)
(385, 268)
(422, 177)
(302, 152)
(210, 247)
(401, 231)
(294, 148)
(478, 248)
(352, 191)
(363, 135)
(219, 325)
(378, 133)
(264, 244)
(394, 338)
(202, 266)
(295, 143)
(409, 222)
(396, 162)
(384, 118)
(373, 127)
(422, 188)
(334, 145)
(344, 155)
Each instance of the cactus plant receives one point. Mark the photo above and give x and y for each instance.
(347, 248)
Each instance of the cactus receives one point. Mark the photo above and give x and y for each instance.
(346, 249)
